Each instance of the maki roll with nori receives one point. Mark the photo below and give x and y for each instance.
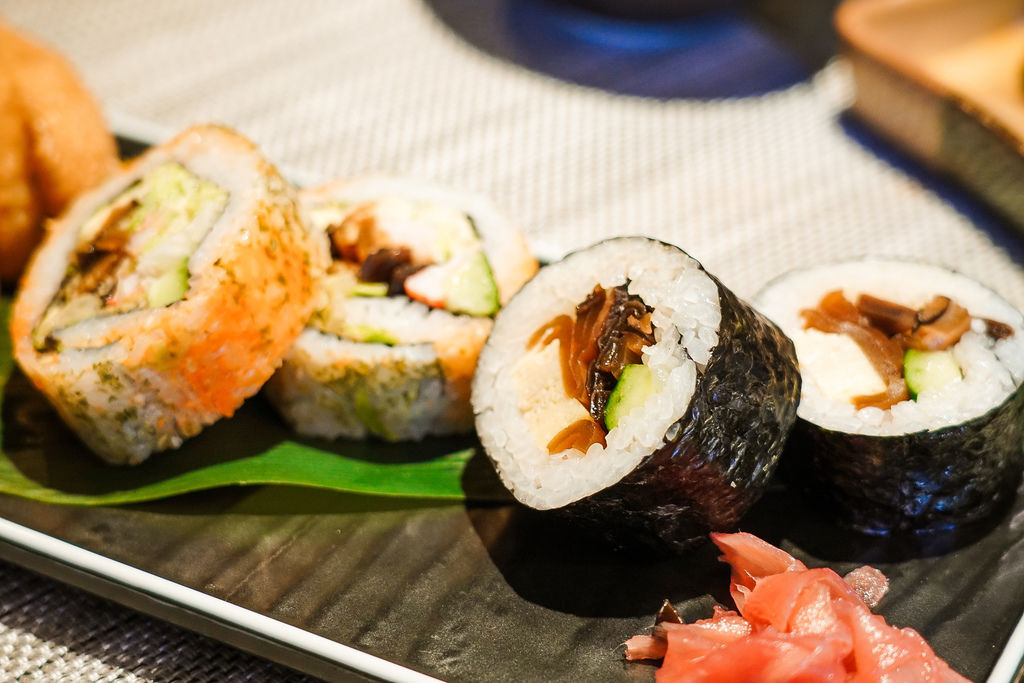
(415, 275)
(911, 413)
(626, 387)
(161, 300)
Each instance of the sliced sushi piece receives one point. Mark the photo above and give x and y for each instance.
(911, 413)
(626, 387)
(165, 297)
(415, 275)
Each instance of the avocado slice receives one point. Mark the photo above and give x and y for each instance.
(929, 370)
(368, 415)
(635, 384)
(172, 188)
(471, 288)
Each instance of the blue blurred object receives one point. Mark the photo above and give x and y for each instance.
(711, 55)
(651, 9)
(714, 54)
(551, 19)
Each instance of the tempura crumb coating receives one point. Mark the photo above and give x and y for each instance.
(145, 380)
(54, 144)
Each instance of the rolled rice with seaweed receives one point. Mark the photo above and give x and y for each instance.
(627, 388)
(911, 413)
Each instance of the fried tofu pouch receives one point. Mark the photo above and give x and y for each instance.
(20, 214)
(54, 144)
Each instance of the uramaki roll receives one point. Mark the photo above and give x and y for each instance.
(416, 273)
(625, 386)
(165, 297)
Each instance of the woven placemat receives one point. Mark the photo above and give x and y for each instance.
(749, 186)
(51, 632)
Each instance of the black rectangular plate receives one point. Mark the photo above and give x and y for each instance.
(480, 592)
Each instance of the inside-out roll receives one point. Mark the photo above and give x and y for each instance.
(415, 274)
(911, 413)
(625, 385)
(165, 297)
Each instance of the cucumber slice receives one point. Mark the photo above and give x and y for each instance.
(368, 334)
(169, 287)
(369, 289)
(635, 384)
(175, 197)
(929, 370)
(471, 288)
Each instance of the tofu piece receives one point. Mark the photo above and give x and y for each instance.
(839, 367)
(543, 401)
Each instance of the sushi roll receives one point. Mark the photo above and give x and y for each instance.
(415, 276)
(162, 299)
(629, 389)
(911, 412)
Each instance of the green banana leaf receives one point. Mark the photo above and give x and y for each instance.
(41, 459)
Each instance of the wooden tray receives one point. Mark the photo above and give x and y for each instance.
(944, 80)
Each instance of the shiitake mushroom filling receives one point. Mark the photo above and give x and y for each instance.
(889, 334)
(609, 332)
(94, 269)
(392, 247)
(351, 244)
(391, 266)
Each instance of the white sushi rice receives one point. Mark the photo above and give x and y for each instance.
(334, 388)
(686, 318)
(409, 322)
(992, 369)
(404, 386)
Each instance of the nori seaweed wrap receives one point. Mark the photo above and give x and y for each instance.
(927, 442)
(627, 388)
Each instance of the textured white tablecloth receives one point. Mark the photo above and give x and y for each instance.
(750, 186)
